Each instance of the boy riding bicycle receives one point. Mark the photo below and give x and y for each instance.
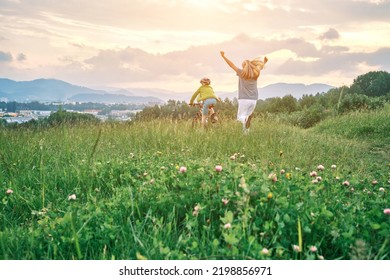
(208, 97)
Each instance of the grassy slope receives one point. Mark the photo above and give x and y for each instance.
(131, 199)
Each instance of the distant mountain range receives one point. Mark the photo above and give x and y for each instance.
(51, 90)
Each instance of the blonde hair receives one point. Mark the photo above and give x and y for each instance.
(251, 69)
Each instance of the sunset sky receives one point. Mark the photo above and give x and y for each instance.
(172, 44)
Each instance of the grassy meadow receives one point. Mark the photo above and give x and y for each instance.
(162, 190)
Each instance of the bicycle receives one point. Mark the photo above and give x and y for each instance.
(197, 119)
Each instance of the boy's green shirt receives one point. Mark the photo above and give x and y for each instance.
(204, 93)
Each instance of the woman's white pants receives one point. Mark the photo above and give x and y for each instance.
(245, 109)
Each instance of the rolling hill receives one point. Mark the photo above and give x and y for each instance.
(52, 90)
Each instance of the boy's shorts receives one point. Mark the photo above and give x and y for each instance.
(207, 103)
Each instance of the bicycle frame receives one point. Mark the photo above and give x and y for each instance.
(198, 116)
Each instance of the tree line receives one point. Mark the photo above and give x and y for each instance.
(370, 91)
(14, 106)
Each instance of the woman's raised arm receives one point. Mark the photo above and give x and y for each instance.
(231, 64)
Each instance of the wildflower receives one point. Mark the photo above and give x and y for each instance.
(314, 181)
(319, 178)
(282, 171)
(145, 174)
(321, 257)
(273, 177)
(9, 191)
(381, 189)
(227, 226)
(225, 201)
(337, 178)
(233, 157)
(297, 169)
(270, 195)
(243, 185)
(265, 251)
(374, 182)
(320, 167)
(183, 169)
(333, 166)
(196, 210)
(352, 189)
(162, 168)
(296, 248)
(218, 168)
(313, 249)
(72, 197)
(387, 211)
(280, 153)
(152, 181)
(346, 183)
(288, 176)
(313, 174)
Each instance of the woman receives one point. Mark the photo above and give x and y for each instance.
(247, 88)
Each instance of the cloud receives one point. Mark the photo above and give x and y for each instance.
(219, 16)
(132, 65)
(331, 34)
(148, 41)
(21, 57)
(5, 56)
(343, 62)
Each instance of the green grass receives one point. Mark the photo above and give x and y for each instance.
(371, 128)
(132, 202)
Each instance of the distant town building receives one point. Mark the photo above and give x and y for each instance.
(92, 112)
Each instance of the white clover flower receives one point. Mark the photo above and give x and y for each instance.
(296, 248)
(265, 251)
(320, 167)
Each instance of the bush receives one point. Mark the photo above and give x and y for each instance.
(306, 118)
(64, 117)
(3, 122)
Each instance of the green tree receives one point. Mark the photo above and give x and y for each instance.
(64, 117)
(374, 83)
(289, 104)
(307, 101)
